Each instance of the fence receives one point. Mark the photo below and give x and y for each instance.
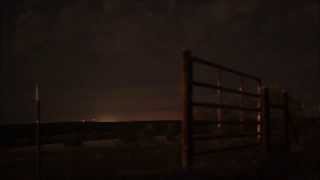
(263, 107)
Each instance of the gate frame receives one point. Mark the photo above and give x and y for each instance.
(187, 145)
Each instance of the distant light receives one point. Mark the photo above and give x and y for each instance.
(106, 118)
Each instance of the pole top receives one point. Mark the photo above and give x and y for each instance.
(284, 91)
(37, 96)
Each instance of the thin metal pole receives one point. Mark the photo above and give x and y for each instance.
(286, 121)
(219, 96)
(266, 120)
(241, 113)
(187, 144)
(258, 118)
(38, 143)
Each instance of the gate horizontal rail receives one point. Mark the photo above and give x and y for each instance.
(217, 66)
(210, 151)
(229, 90)
(225, 106)
(277, 106)
(229, 136)
(227, 122)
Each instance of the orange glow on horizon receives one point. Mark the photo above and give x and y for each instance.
(141, 116)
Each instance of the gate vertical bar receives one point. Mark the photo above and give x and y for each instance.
(187, 144)
(37, 132)
(258, 118)
(286, 121)
(241, 113)
(219, 96)
(266, 120)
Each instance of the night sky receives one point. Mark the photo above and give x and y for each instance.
(121, 59)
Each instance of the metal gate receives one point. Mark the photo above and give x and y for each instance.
(189, 83)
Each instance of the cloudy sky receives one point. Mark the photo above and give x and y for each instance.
(121, 59)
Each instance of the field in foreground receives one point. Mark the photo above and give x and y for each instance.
(157, 161)
(105, 159)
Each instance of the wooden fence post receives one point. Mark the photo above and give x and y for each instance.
(187, 144)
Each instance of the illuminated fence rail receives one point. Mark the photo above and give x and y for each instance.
(188, 137)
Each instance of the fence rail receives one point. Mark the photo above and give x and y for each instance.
(223, 68)
(229, 136)
(239, 147)
(225, 106)
(225, 89)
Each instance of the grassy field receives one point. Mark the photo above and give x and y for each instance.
(159, 158)
(106, 160)
(99, 161)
